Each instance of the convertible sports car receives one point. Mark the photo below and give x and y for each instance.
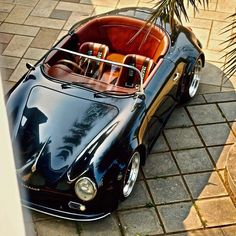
(85, 117)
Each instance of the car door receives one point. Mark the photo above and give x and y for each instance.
(161, 96)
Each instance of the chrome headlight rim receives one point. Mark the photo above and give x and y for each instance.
(77, 188)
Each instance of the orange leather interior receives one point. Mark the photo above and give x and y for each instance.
(117, 57)
(129, 77)
(119, 33)
(119, 39)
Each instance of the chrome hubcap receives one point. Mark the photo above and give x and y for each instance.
(131, 174)
(196, 79)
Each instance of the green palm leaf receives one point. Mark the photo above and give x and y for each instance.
(230, 63)
(167, 10)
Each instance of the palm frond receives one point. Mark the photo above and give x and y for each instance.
(229, 68)
(167, 10)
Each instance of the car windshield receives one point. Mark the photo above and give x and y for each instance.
(101, 75)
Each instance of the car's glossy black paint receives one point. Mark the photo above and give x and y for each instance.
(104, 131)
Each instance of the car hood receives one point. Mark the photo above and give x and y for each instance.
(53, 130)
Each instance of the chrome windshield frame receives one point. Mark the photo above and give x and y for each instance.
(141, 90)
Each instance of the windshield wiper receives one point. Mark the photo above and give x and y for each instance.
(107, 92)
(66, 85)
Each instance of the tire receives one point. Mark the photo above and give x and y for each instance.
(190, 85)
(131, 175)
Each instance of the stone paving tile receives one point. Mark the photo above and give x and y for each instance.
(229, 110)
(168, 190)
(199, 23)
(214, 56)
(198, 99)
(5, 38)
(8, 62)
(146, 3)
(74, 18)
(193, 160)
(26, 2)
(216, 31)
(229, 231)
(75, 1)
(20, 70)
(7, 85)
(216, 134)
(60, 14)
(45, 38)
(205, 114)
(219, 155)
(205, 185)
(158, 165)
(206, 88)
(34, 53)
(6, 73)
(202, 232)
(19, 14)
(75, 7)
(101, 9)
(41, 217)
(56, 227)
(142, 221)
(3, 16)
(105, 3)
(28, 221)
(17, 46)
(211, 74)
(216, 45)
(107, 226)
(213, 15)
(182, 138)
(5, 7)
(202, 35)
(45, 22)
(220, 97)
(19, 29)
(179, 118)
(160, 145)
(139, 197)
(125, 3)
(229, 7)
(216, 212)
(179, 216)
(44, 8)
(2, 47)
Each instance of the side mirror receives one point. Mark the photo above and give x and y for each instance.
(30, 66)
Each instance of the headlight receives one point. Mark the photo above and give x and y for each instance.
(85, 189)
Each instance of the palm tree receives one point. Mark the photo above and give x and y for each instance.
(167, 10)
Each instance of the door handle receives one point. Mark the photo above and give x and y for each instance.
(176, 76)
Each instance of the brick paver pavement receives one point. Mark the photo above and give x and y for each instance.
(182, 190)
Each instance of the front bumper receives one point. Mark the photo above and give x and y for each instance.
(68, 206)
(64, 214)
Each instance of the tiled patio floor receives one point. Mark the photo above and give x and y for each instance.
(181, 190)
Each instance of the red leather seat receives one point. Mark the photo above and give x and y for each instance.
(93, 68)
(94, 49)
(128, 77)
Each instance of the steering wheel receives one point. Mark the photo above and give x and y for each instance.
(72, 65)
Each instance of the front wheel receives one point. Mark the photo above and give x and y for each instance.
(131, 175)
(190, 86)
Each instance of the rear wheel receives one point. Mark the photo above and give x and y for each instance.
(131, 175)
(191, 85)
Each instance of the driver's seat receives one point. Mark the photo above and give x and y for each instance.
(93, 49)
(128, 77)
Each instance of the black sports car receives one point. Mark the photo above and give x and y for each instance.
(86, 115)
